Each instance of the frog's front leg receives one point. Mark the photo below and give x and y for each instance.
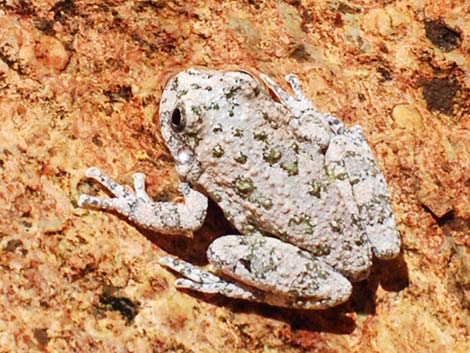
(265, 270)
(165, 217)
(301, 107)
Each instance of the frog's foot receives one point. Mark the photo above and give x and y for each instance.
(350, 157)
(122, 194)
(265, 270)
(203, 281)
(165, 217)
(299, 104)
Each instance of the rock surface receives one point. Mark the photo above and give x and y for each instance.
(80, 83)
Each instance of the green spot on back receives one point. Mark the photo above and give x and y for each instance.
(181, 93)
(217, 151)
(248, 229)
(214, 106)
(321, 250)
(273, 156)
(317, 187)
(244, 186)
(217, 128)
(196, 110)
(295, 147)
(291, 168)
(266, 203)
(301, 223)
(261, 136)
(241, 158)
(231, 92)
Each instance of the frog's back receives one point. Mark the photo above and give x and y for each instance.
(265, 179)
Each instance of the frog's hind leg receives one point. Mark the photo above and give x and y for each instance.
(203, 281)
(350, 161)
(265, 270)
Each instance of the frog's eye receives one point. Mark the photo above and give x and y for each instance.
(177, 120)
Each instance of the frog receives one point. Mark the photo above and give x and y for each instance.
(303, 191)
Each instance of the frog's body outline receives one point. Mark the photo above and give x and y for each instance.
(304, 191)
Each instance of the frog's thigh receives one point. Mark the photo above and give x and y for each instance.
(350, 153)
(288, 275)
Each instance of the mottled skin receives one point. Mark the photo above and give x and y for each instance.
(277, 170)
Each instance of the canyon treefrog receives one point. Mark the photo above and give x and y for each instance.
(303, 190)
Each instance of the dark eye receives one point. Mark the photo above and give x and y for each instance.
(177, 120)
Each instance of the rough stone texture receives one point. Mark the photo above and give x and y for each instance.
(80, 83)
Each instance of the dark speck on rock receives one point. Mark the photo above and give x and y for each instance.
(442, 36)
(13, 244)
(120, 93)
(125, 306)
(386, 75)
(64, 9)
(440, 93)
(300, 53)
(40, 334)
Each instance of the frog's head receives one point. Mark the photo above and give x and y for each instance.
(192, 103)
(179, 122)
